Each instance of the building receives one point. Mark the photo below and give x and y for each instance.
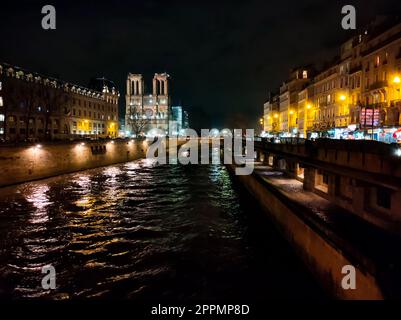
(355, 96)
(381, 71)
(271, 115)
(176, 120)
(147, 111)
(37, 107)
(305, 112)
(281, 111)
(185, 119)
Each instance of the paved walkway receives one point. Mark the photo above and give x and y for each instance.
(383, 249)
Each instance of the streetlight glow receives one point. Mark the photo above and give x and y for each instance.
(396, 79)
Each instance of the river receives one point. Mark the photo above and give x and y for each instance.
(147, 232)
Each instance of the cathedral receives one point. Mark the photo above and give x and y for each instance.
(147, 111)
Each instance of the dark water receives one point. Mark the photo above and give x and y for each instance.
(142, 231)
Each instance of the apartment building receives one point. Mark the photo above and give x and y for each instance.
(355, 96)
(38, 107)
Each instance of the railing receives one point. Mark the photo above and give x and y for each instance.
(378, 84)
(355, 69)
(395, 103)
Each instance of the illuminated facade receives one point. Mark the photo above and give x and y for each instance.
(37, 107)
(176, 120)
(271, 114)
(355, 96)
(145, 111)
(287, 118)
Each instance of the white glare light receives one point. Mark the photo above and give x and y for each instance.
(398, 152)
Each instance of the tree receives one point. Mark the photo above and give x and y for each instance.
(55, 102)
(137, 120)
(23, 96)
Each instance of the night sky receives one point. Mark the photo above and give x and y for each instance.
(223, 56)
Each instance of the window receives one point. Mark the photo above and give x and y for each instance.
(383, 198)
(325, 179)
(1, 117)
(304, 75)
(1, 101)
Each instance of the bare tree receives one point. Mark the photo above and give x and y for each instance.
(23, 96)
(56, 103)
(137, 120)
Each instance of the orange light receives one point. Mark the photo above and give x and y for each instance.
(342, 97)
(396, 79)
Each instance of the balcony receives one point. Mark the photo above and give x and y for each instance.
(378, 85)
(355, 69)
(395, 103)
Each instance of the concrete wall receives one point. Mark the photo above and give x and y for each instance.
(347, 173)
(26, 163)
(320, 255)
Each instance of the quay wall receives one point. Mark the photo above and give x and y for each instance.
(31, 162)
(321, 256)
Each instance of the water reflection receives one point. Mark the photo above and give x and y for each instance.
(142, 231)
(37, 196)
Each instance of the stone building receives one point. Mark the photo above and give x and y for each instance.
(37, 107)
(147, 111)
(356, 96)
(288, 104)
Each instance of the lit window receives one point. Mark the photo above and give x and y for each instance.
(1, 101)
(1, 117)
(305, 74)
